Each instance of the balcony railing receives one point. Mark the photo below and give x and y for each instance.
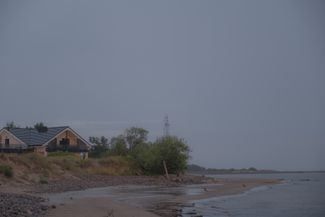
(23, 148)
(13, 146)
(69, 148)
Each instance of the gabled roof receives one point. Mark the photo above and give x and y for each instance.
(32, 137)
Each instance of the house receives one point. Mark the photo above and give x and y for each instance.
(52, 139)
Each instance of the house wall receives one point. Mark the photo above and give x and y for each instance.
(69, 135)
(12, 140)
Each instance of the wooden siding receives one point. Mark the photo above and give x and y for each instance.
(67, 135)
(13, 142)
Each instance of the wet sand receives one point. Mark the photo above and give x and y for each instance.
(97, 207)
(145, 201)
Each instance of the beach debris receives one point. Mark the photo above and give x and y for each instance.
(205, 189)
(110, 213)
(165, 168)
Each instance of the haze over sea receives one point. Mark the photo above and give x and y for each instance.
(300, 195)
(241, 81)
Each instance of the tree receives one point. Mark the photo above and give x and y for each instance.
(104, 141)
(40, 127)
(148, 159)
(98, 151)
(135, 136)
(171, 149)
(100, 148)
(10, 125)
(94, 140)
(118, 146)
(174, 151)
(147, 156)
(99, 141)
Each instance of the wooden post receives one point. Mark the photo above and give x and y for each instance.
(166, 171)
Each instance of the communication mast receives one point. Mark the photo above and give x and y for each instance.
(166, 126)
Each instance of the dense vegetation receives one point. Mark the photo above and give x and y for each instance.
(148, 156)
(40, 126)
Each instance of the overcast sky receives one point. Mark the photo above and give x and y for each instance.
(241, 81)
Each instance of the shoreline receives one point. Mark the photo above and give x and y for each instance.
(228, 187)
(134, 196)
(138, 205)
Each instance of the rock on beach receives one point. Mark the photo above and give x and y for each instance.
(21, 205)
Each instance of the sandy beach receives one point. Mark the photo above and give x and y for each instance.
(97, 207)
(118, 196)
(120, 203)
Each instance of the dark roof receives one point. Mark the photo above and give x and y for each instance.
(32, 137)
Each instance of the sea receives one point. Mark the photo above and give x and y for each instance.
(299, 195)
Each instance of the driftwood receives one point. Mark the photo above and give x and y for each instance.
(166, 171)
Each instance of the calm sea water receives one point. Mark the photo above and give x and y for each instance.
(301, 195)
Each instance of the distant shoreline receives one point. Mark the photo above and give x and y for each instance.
(245, 171)
(250, 173)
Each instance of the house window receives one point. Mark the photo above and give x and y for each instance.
(7, 142)
(64, 144)
(65, 141)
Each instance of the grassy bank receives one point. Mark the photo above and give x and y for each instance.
(33, 168)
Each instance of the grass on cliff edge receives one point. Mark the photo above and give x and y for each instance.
(6, 171)
(31, 167)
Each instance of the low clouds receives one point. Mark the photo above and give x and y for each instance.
(233, 76)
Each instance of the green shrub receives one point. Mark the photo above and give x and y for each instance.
(171, 149)
(174, 151)
(6, 170)
(145, 156)
(98, 151)
(118, 146)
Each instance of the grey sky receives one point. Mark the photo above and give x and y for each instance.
(241, 81)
